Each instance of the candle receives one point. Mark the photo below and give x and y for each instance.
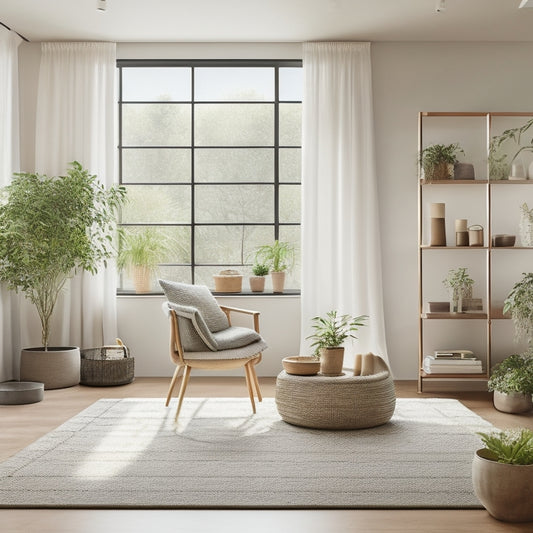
(461, 224)
(367, 366)
(357, 367)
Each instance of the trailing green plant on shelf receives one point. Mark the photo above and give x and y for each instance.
(332, 330)
(513, 375)
(437, 161)
(510, 446)
(499, 162)
(519, 303)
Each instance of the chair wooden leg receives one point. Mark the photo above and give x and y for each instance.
(249, 380)
(184, 382)
(173, 383)
(256, 382)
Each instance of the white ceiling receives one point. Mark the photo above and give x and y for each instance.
(268, 20)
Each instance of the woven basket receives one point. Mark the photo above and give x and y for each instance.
(106, 366)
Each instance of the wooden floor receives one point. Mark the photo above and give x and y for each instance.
(21, 425)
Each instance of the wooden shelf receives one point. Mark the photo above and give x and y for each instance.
(455, 316)
(429, 247)
(456, 182)
(483, 376)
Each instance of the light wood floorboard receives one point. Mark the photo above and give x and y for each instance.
(21, 425)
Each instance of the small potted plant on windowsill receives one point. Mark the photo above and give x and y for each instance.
(502, 474)
(437, 161)
(330, 332)
(257, 281)
(140, 253)
(279, 257)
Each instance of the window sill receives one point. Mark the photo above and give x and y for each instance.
(287, 292)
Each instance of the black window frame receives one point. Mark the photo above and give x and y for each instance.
(215, 63)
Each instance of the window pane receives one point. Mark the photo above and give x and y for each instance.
(291, 83)
(234, 124)
(234, 203)
(156, 124)
(156, 84)
(290, 164)
(290, 124)
(157, 204)
(234, 164)
(182, 274)
(292, 234)
(156, 165)
(235, 245)
(234, 84)
(289, 204)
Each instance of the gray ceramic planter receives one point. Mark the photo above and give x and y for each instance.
(57, 368)
(514, 402)
(505, 490)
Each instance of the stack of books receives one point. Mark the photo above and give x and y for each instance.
(452, 362)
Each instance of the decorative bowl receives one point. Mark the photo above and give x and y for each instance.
(503, 240)
(301, 365)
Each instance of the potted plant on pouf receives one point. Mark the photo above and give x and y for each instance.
(512, 383)
(279, 257)
(257, 281)
(140, 253)
(50, 228)
(502, 474)
(330, 332)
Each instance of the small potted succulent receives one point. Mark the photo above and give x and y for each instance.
(438, 160)
(459, 283)
(330, 332)
(257, 281)
(512, 383)
(502, 474)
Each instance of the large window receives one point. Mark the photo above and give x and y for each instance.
(209, 152)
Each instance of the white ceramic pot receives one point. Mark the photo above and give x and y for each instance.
(57, 368)
(514, 402)
(331, 361)
(505, 490)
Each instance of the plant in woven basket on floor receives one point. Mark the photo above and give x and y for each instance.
(330, 332)
(502, 474)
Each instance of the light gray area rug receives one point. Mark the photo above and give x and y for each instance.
(129, 453)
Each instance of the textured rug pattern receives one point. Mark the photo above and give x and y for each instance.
(129, 453)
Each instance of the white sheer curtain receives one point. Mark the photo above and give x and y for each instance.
(75, 122)
(9, 163)
(340, 227)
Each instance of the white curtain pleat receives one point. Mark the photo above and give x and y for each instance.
(341, 255)
(9, 163)
(75, 122)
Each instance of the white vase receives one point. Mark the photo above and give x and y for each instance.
(518, 171)
(530, 171)
(526, 229)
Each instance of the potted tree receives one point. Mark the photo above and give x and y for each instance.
(437, 161)
(140, 254)
(459, 283)
(330, 332)
(279, 257)
(50, 228)
(512, 383)
(502, 474)
(257, 281)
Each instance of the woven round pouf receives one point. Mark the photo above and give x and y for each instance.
(340, 402)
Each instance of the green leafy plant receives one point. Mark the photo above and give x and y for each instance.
(332, 330)
(513, 374)
(278, 256)
(259, 269)
(145, 248)
(510, 446)
(499, 162)
(519, 303)
(52, 227)
(458, 279)
(436, 158)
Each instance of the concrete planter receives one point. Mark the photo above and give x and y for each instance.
(514, 402)
(505, 490)
(57, 368)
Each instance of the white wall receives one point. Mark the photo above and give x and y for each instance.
(407, 78)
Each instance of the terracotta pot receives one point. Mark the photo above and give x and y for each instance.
(278, 281)
(57, 368)
(257, 283)
(504, 490)
(331, 361)
(514, 402)
(142, 279)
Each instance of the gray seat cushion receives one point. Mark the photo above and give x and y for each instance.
(235, 337)
(199, 297)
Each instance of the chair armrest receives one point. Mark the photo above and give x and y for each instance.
(229, 310)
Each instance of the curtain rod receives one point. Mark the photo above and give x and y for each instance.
(21, 36)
